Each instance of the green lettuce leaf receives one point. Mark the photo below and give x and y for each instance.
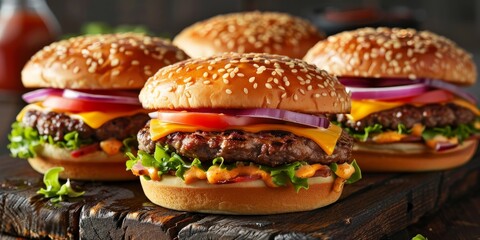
(285, 174)
(357, 175)
(363, 135)
(419, 237)
(54, 190)
(462, 132)
(165, 161)
(25, 140)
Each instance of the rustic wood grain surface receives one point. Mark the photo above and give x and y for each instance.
(379, 206)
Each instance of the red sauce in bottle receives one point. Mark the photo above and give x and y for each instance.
(25, 27)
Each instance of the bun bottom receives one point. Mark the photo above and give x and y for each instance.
(410, 157)
(92, 166)
(238, 198)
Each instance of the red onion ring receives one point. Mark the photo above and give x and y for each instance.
(358, 84)
(120, 98)
(442, 146)
(284, 115)
(99, 96)
(388, 92)
(41, 94)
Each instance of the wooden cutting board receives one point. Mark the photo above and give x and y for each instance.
(377, 206)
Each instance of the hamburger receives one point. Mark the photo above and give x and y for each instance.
(86, 113)
(243, 134)
(409, 112)
(246, 32)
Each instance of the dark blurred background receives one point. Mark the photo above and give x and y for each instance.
(458, 20)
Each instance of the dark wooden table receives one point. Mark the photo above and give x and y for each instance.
(438, 205)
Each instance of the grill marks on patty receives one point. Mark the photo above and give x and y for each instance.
(271, 148)
(59, 124)
(430, 115)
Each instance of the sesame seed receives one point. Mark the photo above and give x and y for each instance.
(76, 69)
(92, 68)
(284, 95)
(295, 97)
(228, 91)
(268, 85)
(261, 69)
(206, 82)
(210, 68)
(188, 79)
(135, 62)
(214, 76)
(251, 80)
(115, 72)
(240, 74)
(226, 81)
(255, 85)
(245, 90)
(114, 62)
(205, 74)
(317, 95)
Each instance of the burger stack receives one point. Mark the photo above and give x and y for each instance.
(409, 112)
(86, 114)
(246, 124)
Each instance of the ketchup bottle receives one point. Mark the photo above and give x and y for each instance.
(25, 27)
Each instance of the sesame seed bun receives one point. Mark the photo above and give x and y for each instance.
(410, 157)
(239, 198)
(251, 80)
(393, 53)
(268, 32)
(110, 61)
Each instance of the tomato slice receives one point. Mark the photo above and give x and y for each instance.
(435, 96)
(78, 105)
(209, 120)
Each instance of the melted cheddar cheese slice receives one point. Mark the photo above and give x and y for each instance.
(93, 119)
(363, 108)
(326, 138)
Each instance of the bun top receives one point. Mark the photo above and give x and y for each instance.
(239, 81)
(394, 53)
(110, 61)
(245, 32)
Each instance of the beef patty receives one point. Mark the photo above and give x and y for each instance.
(59, 124)
(270, 148)
(430, 115)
